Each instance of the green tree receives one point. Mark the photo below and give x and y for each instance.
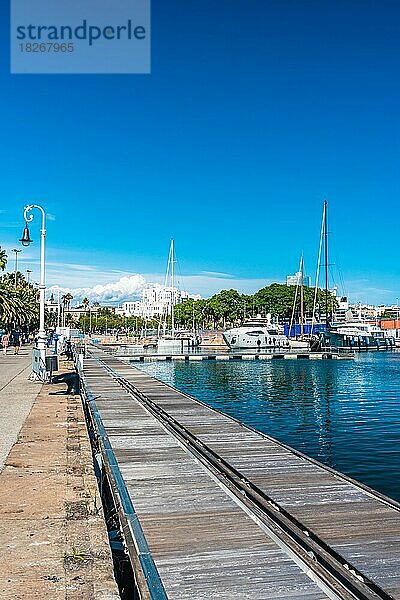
(3, 259)
(278, 299)
(19, 306)
(225, 307)
(228, 306)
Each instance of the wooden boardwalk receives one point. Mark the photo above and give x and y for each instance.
(203, 543)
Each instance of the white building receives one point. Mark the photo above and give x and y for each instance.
(343, 312)
(51, 304)
(157, 300)
(296, 279)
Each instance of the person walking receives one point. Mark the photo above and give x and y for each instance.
(5, 340)
(17, 341)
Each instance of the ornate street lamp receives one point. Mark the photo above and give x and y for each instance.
(26, 240)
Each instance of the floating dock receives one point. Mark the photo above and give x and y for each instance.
(211, 508)
(152, 357)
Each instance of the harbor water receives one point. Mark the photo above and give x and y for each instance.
(345, 414)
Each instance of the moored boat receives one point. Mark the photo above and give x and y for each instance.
(255, 334)
(357, 335)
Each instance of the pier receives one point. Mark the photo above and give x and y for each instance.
(211, 508)
(126, 352)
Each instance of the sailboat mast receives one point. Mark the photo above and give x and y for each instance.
(173, 291)
(326, 261)
(302, 295)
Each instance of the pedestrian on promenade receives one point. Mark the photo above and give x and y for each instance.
(5, 340)
(17, 341)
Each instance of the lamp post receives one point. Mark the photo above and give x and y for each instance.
(16, 266)
(58, 304)
(26, 240)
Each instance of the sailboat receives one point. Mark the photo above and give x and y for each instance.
(308, 337)
(355, 335)
(176, 341)
(299, 342)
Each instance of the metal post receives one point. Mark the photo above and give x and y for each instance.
(173, 295)
(42, 287)
(58, 307)
(302, 295)
(16, 266)
(326, 262)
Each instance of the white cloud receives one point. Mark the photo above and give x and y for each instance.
(73, 266)
(217, 274)
(100, 289)
(126, 288)
(114, 286)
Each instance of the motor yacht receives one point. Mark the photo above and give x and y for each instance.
(358, 335)
(255, 334)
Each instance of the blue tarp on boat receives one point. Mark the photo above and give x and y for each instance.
(295, 330)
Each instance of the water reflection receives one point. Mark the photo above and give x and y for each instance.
(344, 413)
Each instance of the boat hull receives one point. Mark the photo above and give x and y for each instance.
(356, 342)
(242, 341)
(299, 344)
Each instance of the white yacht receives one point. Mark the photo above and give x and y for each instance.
(355, 328)
(256, 333)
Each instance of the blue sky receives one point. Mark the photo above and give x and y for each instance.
(253, 113)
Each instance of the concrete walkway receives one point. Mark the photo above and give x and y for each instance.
(53, 539)
(17, 395)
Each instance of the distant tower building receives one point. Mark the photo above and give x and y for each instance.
(295, 279)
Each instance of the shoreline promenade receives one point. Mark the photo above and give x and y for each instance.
(17, 395)
(53, 539)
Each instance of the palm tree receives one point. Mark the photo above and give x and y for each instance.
(66, 301)
(3, 259)
(68, 298)
(18, 306)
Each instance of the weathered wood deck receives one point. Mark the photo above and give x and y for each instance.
(203, 543)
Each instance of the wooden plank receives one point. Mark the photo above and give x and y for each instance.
(362, 528)
(203, 544)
